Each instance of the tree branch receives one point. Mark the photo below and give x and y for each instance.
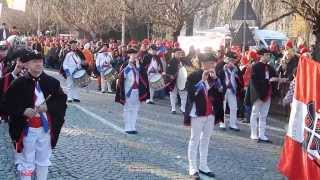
(277, 19)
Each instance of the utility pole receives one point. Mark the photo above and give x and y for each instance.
(123, 24)
(245, 23)
(39, 18)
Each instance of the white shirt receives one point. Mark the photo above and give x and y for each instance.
(71, 62)
(103, 62)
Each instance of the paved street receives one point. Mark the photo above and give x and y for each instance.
(93, 146)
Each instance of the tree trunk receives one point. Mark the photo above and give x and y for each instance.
(176, 32)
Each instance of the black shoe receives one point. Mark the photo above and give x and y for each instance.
(76, 100)
(173, 112)
(103, 92)
(195, 176)
(150, 102)
(69, 101)
(264, 141)
(234, 129)
(129, 132)
(134, 132)
(209, 174)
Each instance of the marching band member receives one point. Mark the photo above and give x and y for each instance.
(18, 71)
(172, 71)
(232, 81)
(259, 95)
(201, 85)
(132, 89)
(103, 63)
(36, 105)
(155, 67)
(72, 63)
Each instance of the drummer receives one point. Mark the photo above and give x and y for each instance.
(103, 64)
(172, 72)
(155, 67)
(72, 63)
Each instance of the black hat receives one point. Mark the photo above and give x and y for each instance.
(176, 50)
(73, 42)
(231, 54)
(263, 51)
(132, 51)
(153, 47)
(28, 55)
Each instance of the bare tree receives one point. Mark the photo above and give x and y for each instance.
(174, 13)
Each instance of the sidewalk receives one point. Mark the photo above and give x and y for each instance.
(6, 154)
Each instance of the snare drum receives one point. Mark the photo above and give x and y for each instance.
(157, 82)
(110, 74)
(81, 78)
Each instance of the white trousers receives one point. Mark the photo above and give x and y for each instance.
(173, 98)
(130, 111)
(260, 110)
(151, 90)
(73, 91)
(201, 131)
(105, 83)
(36, 154)
(231, 99)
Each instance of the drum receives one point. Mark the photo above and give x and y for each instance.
(182, 78)
(81, 78)
(110, 74)
(157, 82)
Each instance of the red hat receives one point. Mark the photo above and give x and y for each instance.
(253, 55)
(289, 44)
(301, 46)
(304, 50)
(146, 42)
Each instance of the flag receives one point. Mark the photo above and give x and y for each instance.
(17, 4)
(300, 156)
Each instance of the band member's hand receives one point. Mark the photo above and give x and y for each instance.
(205, 75)
(283, 80)
(42, 108)
(163, 73)
(29, 112)
(171, 76)
(213, 75)
(274, 79)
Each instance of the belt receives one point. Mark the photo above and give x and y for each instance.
(35, 122)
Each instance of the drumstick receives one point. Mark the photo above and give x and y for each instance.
(280, 74)
(46, 100)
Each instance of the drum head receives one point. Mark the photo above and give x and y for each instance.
(79, 73)
(182, 78)
(155, 78)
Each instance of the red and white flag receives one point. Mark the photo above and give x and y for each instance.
(300, 157)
